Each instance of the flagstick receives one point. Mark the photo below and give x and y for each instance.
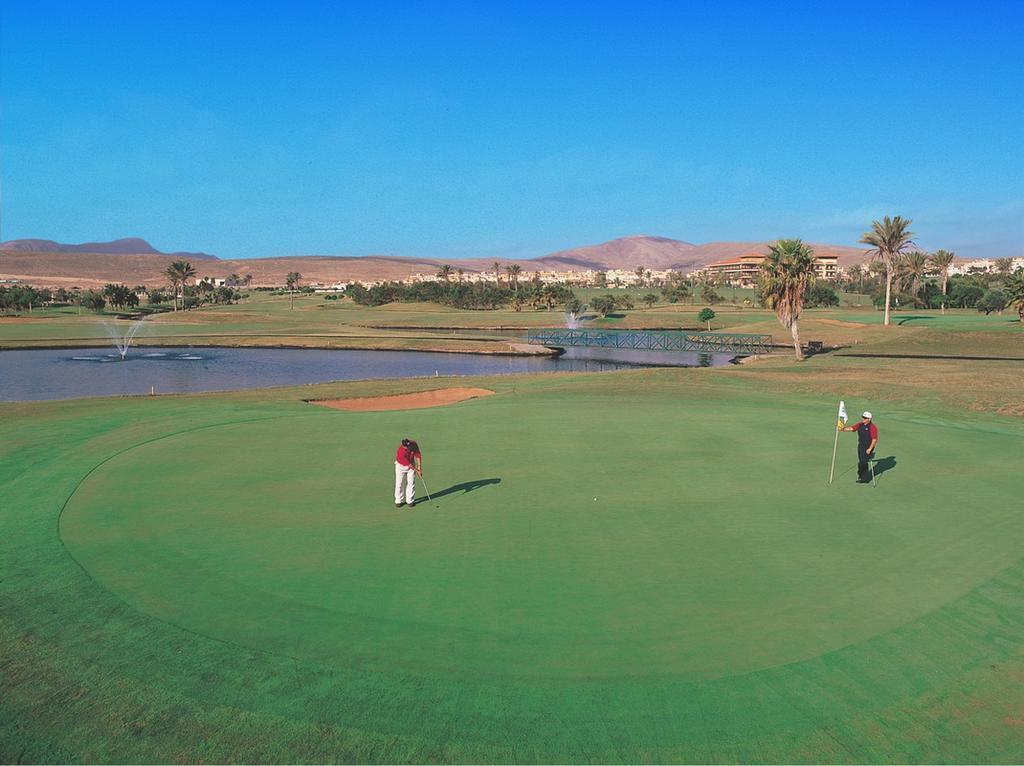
(832, 470)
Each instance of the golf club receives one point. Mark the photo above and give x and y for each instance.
(871, 465)
(429, 500)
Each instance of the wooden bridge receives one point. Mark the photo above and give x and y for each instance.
(741, 344)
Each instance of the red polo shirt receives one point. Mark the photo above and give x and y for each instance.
(873, 432)
(405, 456)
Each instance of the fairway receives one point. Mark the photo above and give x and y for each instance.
(230, 571)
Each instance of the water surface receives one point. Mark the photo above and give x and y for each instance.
(32, 374)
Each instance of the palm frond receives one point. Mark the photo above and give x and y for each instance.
(785, 274)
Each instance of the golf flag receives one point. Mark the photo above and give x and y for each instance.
(835, 443)
(842, 414)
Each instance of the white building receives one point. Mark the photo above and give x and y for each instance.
(986, 265)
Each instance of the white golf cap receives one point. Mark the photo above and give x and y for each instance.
(866, 415)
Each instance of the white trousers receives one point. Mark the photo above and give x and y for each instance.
(409, 476)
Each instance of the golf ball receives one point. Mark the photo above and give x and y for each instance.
(595, 499)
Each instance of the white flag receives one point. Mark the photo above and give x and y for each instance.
(842, 412)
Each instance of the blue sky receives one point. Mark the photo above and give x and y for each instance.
(461, 129)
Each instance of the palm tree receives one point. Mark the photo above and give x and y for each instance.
(941, 260)
(888, 240)
(496, 268)
(292, 281)
(1013, 289)
(785, 273)
(913, 267)
(178, 273)
(640, 271)
(445, 272)
(513, 275)
(205, 287)
(1004, 266)
(172, 277)
(856, 276)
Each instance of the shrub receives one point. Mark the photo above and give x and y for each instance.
(818, 295)
(992, 300)
(706, 315)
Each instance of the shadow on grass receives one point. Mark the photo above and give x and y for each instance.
(464, 487)
(905, 320)
(883, 464)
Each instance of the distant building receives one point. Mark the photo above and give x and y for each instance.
(983, 266)
(745, 270)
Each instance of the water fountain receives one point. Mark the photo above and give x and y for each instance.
(122, 342)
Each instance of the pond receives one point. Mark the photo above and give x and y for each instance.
(41, 374)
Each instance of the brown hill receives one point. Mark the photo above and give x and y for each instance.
(661, 253)
(86, 269)
(622, 253)
(68, 268)
(96, 269)
(125, 246)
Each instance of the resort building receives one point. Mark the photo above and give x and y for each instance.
(743, 271)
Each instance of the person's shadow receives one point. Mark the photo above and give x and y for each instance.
(464, 487)
(884, 464)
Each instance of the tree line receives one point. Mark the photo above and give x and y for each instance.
(789, 272)
(117, 296)
(922, 280)
(23, 297)
(481, 295)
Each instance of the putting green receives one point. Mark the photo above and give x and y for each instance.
(714, 546)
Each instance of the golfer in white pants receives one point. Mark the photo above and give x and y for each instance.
(408, 463)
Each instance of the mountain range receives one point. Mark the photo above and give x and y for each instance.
(135, 261)
(126, 246)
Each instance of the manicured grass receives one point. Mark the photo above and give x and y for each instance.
(229, 579)
(268, 320)
(731, 294)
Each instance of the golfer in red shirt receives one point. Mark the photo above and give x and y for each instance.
(867, 439)
(408, 463)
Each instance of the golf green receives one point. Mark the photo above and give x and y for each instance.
(615, 568)
(604, 539)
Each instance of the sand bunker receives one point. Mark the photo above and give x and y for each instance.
(841, 323)
(435, 398)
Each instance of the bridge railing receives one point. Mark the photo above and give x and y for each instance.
(743, 344)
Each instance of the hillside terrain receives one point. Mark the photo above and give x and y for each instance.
(135, 261)
(126, 246)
